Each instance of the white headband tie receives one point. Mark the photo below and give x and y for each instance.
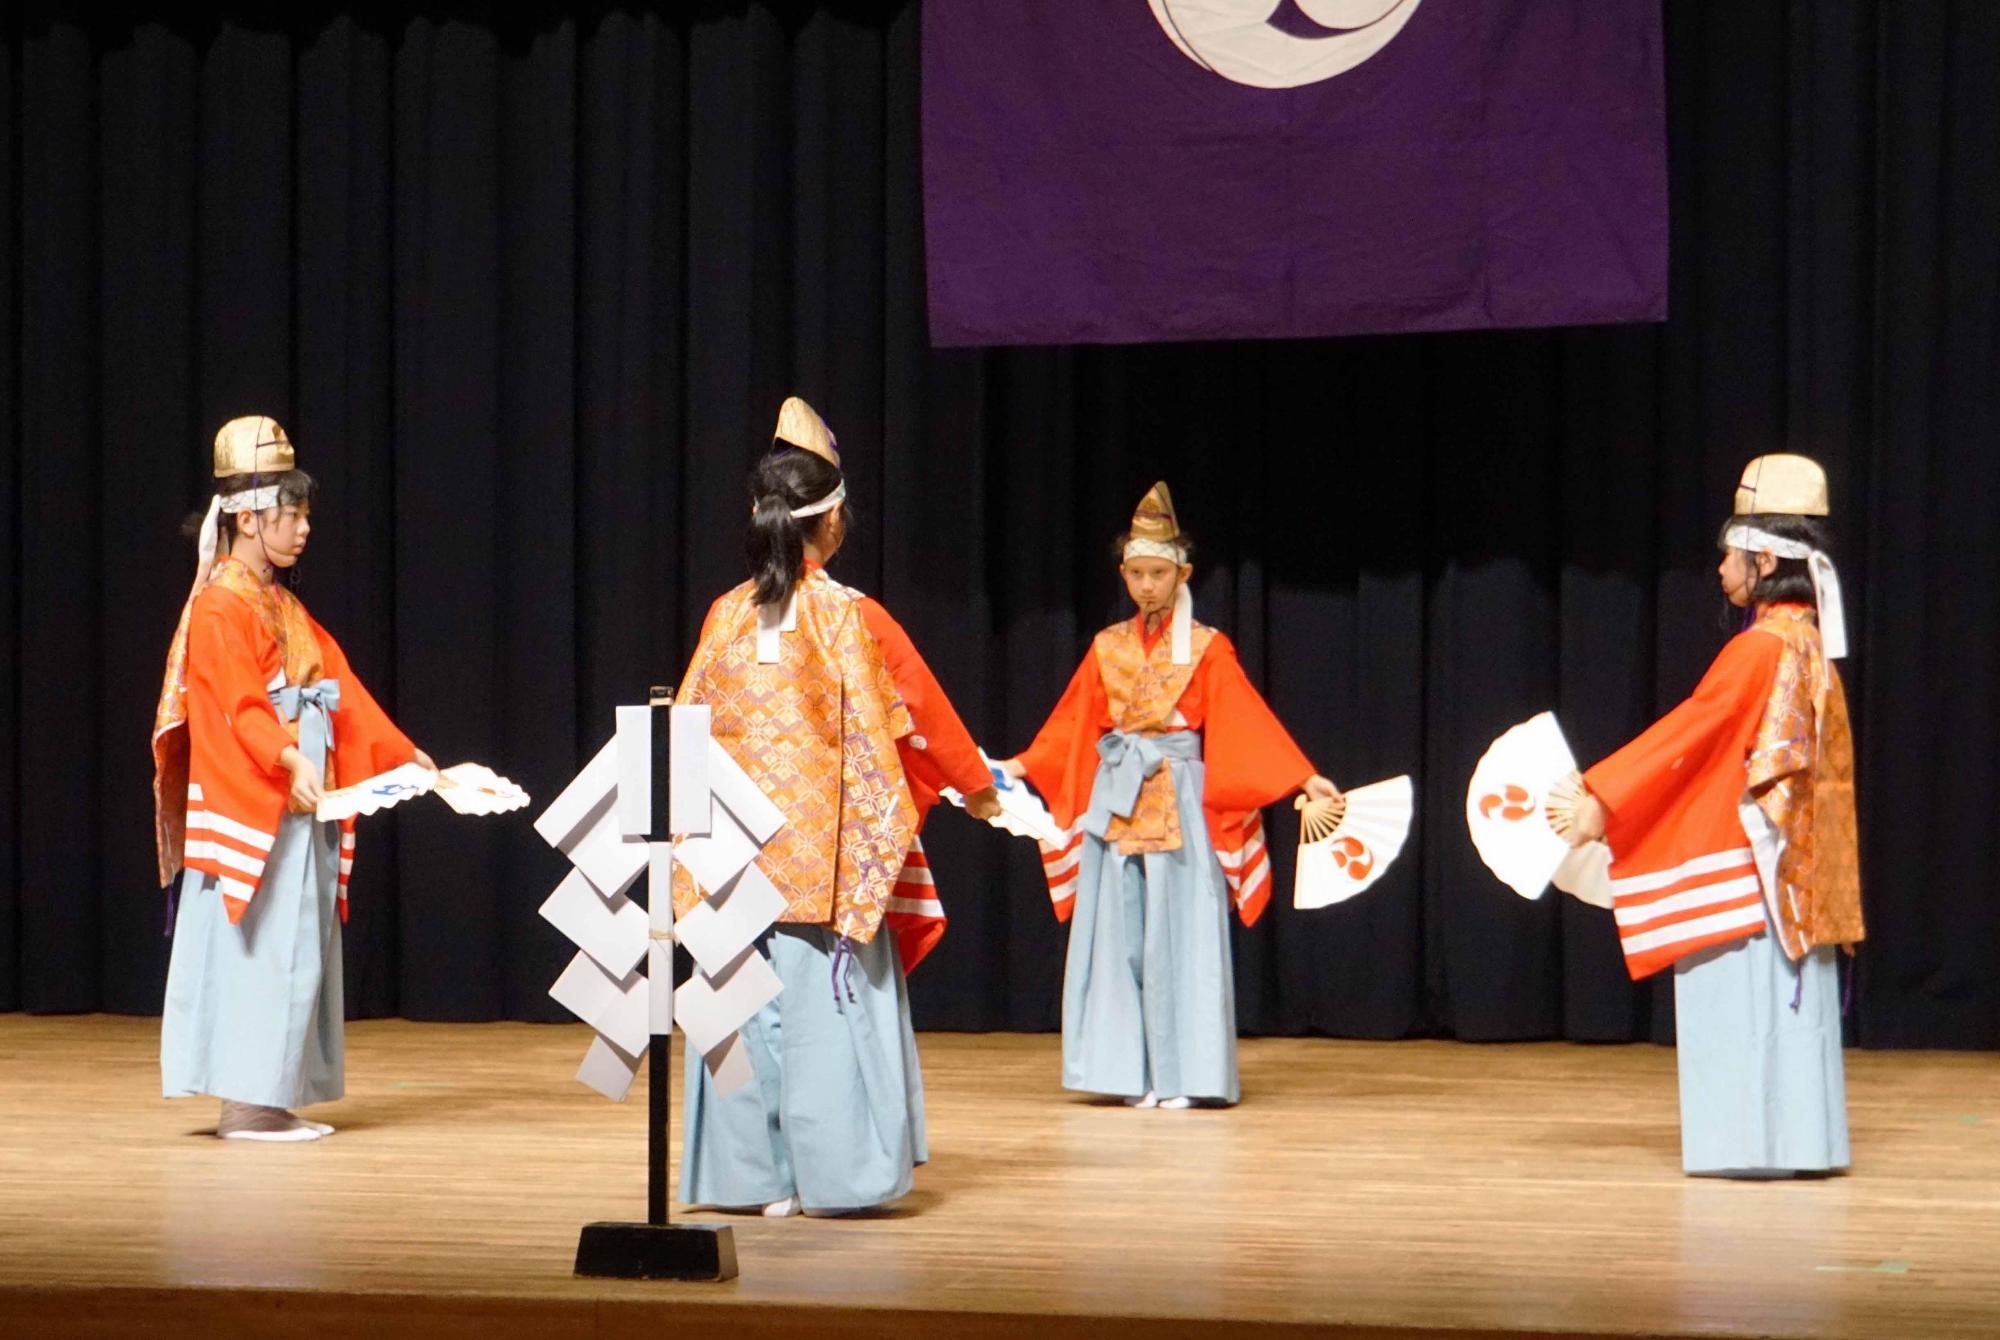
(205, 540)
(826, 504)
(204, 547)
(1826, 581)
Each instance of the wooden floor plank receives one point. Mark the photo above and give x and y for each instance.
(1361, 1189)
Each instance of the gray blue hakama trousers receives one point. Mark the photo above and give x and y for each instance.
(254, 1010)
(1149, 996)
(835, 1114)
(1762, 1087)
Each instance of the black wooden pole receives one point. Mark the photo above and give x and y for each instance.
(657, 1249)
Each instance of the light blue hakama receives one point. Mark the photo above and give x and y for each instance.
(1762, 1088)
(1149, 996)
(254, 1010)
(836, 1112)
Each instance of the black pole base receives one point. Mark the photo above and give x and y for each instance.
(657, 1251)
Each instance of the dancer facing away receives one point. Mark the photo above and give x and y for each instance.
(258, 710)
(822, 699)
(1158, 758)
(1732, 833)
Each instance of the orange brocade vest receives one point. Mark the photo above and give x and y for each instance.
(817, 731)
(1143, 688)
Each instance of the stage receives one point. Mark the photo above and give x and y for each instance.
(1363, 1189)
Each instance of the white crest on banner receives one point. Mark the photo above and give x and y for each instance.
(1242, 41)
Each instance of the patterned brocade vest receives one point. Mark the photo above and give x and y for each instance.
(1144, 689)
(1802, 770)
(817, 732)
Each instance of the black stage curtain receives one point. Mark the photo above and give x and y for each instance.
(527, 291)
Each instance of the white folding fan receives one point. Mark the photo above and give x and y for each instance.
(469, 788)
(1527, 773)
(1022, 812)
(474, 788)
(379, 792)
(1346, 845)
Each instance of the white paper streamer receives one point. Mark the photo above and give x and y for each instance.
(1183, 630)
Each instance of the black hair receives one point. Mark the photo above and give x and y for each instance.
(1792, 579)
(1184, 540)
(293, 486)
(787, 479)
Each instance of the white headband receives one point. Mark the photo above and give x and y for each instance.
(250, 500)
(1826, 581)
(1166, 549)
(826, 504)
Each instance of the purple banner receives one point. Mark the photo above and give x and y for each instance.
(1106, 171)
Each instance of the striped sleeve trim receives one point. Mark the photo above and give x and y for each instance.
(1061, 868)
(1663, 916)
(1248, 869)
(221, 857)
(928, 909)
(1687, 871)
(228, 827)
(235, 888)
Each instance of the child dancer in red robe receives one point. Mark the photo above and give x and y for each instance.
(1732, 835)
(1158, 759)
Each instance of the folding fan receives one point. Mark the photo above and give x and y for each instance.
(1586, 874)
(1506, 806)
(469, 788)
(1345, 845)
(379, 792)
(1022, 812)
(474, 788)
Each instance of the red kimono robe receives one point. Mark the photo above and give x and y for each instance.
(219, 791)
(1767, 726)
(939, 753)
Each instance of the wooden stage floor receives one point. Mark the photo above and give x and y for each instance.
(1418, 1188)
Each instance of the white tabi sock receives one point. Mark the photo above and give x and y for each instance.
(253, 1121)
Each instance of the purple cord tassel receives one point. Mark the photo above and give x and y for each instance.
(843, 958)
(1799, 991)
(173, 906)
(1847, 992)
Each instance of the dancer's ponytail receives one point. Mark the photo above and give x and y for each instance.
(783, 482)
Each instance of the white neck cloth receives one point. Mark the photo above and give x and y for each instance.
(1826, 581)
